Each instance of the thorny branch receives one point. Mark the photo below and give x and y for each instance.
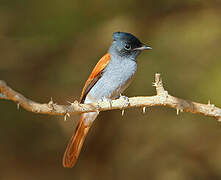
(162, 98)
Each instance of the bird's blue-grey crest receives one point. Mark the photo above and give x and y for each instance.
(127, 44)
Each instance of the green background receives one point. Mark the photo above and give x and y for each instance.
(48, 49)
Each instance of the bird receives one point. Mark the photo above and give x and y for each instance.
(110, 77)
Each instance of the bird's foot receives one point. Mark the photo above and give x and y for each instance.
(126, 100)
(105, 100)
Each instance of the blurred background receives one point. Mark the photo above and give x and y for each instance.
(48, 49)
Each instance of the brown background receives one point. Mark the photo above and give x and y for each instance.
(48, 48)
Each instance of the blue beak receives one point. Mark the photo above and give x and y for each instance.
(143, 47)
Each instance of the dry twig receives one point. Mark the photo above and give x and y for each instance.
(162, 98)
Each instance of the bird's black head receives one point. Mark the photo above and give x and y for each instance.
(126, 44)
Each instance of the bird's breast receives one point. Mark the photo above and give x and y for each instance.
(115, 79)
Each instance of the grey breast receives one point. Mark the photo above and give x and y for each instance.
(115, 79)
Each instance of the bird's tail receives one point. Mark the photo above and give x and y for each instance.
(75, 144)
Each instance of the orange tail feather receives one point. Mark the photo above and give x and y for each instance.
(75, 144)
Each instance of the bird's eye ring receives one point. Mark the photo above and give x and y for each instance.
(127, 47)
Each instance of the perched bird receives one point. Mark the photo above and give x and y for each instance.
(110, 77)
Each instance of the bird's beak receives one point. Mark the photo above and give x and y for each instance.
(143, 47)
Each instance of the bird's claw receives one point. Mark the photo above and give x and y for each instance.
(106, 100)
(126, 100)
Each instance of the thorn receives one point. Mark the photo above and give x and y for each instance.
(166, 93)
(65, 117)
(69, 102)
(208, 102)
(177, 111)
(50, 103)
(18, 105)
(72, 103)
(154, 84)
(212, 106)
(110, 103)
(76, 102)
(97, 111)
(144, 109)
(122, 112)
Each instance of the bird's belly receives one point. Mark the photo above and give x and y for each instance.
(113, 82)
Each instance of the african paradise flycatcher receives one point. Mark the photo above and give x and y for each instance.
(110, 77)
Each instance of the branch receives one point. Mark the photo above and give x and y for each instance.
(162, 98)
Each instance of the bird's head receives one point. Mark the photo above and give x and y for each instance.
(127, 45)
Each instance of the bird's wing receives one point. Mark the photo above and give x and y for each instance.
(95, 75)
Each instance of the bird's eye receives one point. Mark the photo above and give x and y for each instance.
(127, 47)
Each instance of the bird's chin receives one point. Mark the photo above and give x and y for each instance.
(135, 54)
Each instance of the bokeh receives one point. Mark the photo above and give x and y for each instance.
(48, 49)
